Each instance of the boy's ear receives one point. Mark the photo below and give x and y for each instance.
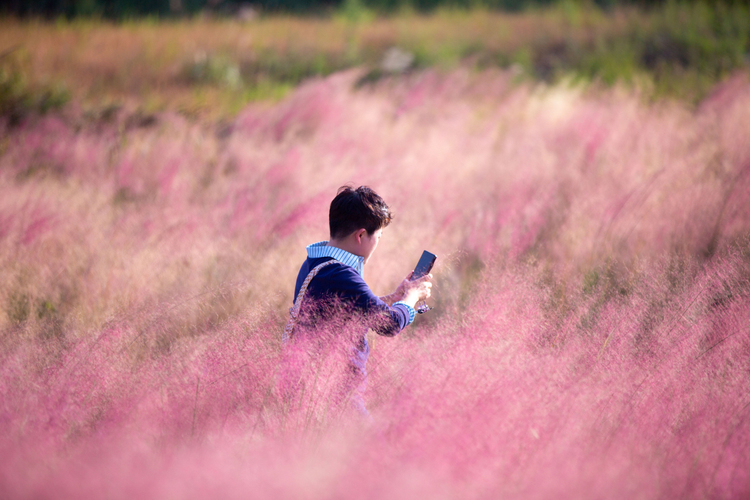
(359, 234)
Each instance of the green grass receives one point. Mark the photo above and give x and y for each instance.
(217, 66)
(19, 98)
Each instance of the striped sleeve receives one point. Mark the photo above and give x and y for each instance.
(409, 309)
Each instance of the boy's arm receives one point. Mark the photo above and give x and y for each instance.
(391, 298)
(383, 318)
(405, 290)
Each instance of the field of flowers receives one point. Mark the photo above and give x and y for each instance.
(592, 294)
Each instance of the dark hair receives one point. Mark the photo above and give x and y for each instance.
(354, 209)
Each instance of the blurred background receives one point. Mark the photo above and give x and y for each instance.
(216, 56)
(125, 8)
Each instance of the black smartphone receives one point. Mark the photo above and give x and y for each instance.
(424, 266)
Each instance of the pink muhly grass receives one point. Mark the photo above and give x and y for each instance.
(592, 294)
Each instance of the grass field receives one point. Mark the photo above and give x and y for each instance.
(592, 293)
(214, 67)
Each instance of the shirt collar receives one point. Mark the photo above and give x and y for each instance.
(321, 249)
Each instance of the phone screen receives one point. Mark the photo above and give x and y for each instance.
(424, 266)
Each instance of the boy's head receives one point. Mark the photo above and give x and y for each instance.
(354, 209)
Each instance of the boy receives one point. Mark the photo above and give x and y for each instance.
(334, 306)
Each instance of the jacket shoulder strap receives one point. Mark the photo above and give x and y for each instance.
(294, 311)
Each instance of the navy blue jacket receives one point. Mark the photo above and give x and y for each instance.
(340, 285)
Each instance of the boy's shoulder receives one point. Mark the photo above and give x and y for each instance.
(335, 270)
(335, 276)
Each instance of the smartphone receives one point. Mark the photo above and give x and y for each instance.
(424, 266)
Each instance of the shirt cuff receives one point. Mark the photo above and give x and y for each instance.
(408, 308)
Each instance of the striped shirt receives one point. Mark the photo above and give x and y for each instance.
(321, 249)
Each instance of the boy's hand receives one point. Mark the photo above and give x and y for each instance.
(414, 291)
(401, 289)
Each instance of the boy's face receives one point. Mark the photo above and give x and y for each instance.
(369, 243)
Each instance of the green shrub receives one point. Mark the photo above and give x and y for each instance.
(19, 99)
